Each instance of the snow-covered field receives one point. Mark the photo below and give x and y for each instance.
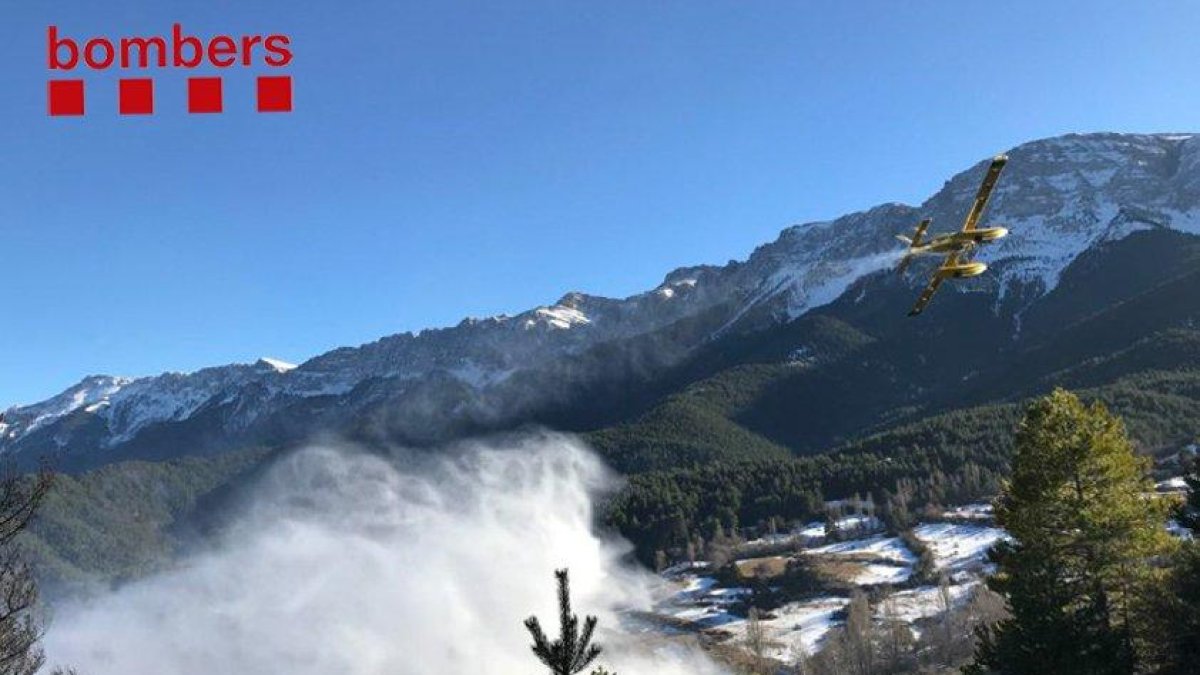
(798, 623)
(701, 602)
(957, 547)
(922, 602)
(873, 560)
(1176, 484)
(969, 512)
(872, 574)
(815, 531)
(874, 548)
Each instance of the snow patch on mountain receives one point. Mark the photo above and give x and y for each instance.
(562, 318)
(89, 394)
(670, 290)
(277, 365)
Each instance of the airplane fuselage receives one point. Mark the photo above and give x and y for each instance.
(958, 242)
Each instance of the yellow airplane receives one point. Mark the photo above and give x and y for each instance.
(956, 246)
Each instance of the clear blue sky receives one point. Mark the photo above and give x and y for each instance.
(451, 159)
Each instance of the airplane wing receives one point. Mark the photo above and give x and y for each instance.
(985, 192)
(927, 294)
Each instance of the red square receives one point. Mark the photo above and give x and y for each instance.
(137, 96)
(65, 97)
(275, 94)
(204, 95)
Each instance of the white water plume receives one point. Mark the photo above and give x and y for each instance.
(347, 562)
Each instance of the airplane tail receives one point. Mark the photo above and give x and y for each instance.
(912, 243)
(920, 233)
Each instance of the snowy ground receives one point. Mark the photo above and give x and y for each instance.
(872, 574)
(873, 548)
(797, 623)
(872, 560)
(921, 603)
(701, 602)
(801, 624)
(860, 523)
(969, 512)
(1176, 484)
(1175, 529)
(815, 531)
(957, 547)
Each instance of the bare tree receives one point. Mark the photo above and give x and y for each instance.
(941, 641)
(858, 636)
(949, 644)
(20, 621)
(799, 661)
(833, 658)
(983, 609)
(756, 642)
(895, 640)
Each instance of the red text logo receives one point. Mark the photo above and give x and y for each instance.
(136, 95)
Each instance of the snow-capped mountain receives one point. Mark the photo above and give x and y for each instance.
(1059, 197)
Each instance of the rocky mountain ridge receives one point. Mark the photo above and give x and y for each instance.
(1059, 197)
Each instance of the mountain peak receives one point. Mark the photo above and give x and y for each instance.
(275, 364)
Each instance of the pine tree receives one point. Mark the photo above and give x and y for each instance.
(572, 651)
(1085, 534)
(1178, 606)
(1178, 612)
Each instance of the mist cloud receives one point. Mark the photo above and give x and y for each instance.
(348, 562)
